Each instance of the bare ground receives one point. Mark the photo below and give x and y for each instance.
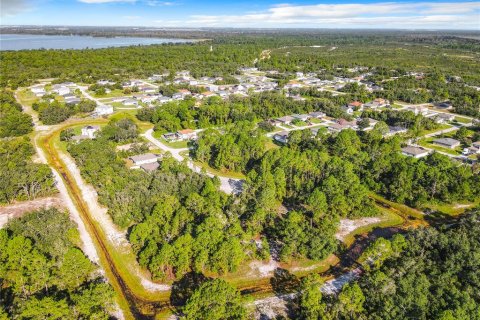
(18, 209)
(347, 226)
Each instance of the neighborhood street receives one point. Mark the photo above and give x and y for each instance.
(227, 185)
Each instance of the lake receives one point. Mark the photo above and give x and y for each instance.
(36, 41)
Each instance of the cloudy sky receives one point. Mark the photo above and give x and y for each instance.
(404, 14)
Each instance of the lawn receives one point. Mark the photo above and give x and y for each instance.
(112, 94)
(452, 209)
(440, 128)
(462, 119)
(26, 97)
(269, 144)
(315, 120)
(428, 143)
(175, 144)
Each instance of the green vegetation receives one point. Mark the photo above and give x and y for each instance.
(13, 122)
(43, 273)
(22, 179)
(231, 150)
(431, 274)
(55, 112)
(215, 300)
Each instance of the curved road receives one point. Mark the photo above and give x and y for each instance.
(227, 185)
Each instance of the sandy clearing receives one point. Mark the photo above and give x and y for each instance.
(347, 226)
(263, 269)
(18, 209)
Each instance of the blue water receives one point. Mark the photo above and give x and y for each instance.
(34, 41)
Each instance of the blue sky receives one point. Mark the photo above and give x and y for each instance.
(405, 14)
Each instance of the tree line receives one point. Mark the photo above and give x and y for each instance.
(44, 274)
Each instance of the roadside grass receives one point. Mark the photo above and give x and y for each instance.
(112, 94)
(462, 120)
(220, 173)
(389, 218)
(26, 97)
(403, 210)
(315, 120)
(440, 128)
(174, 144)
(452, 209)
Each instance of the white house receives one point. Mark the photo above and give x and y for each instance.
(38, 91)
(104, 110)
(187, 134)
(142, 159)
(90, 131)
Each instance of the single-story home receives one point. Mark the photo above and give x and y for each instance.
(302, 117)
(281, 137)
(446, 105)
(187, 134)
(396, 130)
(317, 114)
(130, 102)
(444, 117)
(90, 131)
(416, 152)
(377, 103)
(104, 110)
(447, 143)
(149, 167)
(286, 120)
(145, 158)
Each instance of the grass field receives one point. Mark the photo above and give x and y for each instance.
(388, 218)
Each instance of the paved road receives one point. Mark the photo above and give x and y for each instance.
(227, 185)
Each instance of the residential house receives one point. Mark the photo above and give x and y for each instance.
(446, 105)
(285, 120)
(281, 137)
(143, 159)
(317, 114)
(301, 117)
(39, 91)
(443, 117)
(473, 149)
(392, 130)
(355, 105)
(130, 102)
(150, 167)
(415, 152)
(187, 134)
(72, 100)
(90, 131)
(447, 143)
(104, 110)
(377, 103)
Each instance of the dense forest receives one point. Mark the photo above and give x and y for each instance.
(44, 274)
(431, 273)
(53, 112)
(13, 122)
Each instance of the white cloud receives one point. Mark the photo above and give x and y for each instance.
(156, 3)
(387, 14)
